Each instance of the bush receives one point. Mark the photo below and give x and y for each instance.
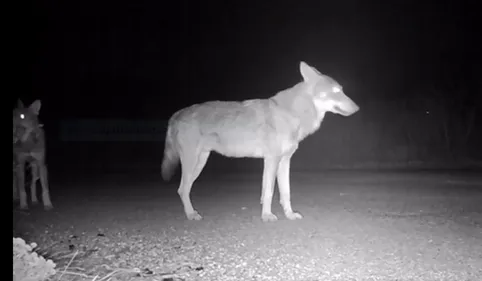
(28, 265)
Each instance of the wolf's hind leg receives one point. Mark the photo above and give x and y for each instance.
(33, 182)
(192, 165)
(45, 185)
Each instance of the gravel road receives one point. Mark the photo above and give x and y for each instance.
(356, 226)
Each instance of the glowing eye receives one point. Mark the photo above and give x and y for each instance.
(22, 116)
(336, 89)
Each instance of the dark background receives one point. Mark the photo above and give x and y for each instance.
(122, 68)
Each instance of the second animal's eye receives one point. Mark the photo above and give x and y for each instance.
(22, 116)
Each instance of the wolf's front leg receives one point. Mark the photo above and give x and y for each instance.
(283, 177)
(15, 186)
(20, 174)
(270, 167)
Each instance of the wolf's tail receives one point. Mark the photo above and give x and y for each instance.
(171, 157)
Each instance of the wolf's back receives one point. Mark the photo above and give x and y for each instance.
(171, 155)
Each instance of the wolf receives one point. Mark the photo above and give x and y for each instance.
(29, 148)
(258, 128)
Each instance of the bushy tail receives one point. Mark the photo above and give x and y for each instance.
(171, 157)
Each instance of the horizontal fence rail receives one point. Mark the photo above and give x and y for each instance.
(112, 130)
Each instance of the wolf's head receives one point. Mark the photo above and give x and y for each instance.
(326, 92)
(25, 120)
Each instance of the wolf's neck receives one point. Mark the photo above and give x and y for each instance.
(298, 102)
(32, 137)
(286, 98)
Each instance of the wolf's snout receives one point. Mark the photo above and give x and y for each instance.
(355, 108)
(348, 108)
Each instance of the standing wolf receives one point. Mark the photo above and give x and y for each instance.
(29, 148)
(260, 128)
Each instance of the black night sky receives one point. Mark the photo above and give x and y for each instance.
(147, 59)
(144, 58)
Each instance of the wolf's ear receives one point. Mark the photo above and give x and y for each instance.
(310, 74)
(20, 104)
(35, 107)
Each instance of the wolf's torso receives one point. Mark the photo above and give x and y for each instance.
(251, 128)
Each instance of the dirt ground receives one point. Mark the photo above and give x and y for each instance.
(356, 226)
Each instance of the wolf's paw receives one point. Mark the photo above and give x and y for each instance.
(48, 207)
(268, 217)
(294, 216)
(34, 202)
(194, 216)
(23, 207)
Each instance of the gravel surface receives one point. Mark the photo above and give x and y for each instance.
(355, 227)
